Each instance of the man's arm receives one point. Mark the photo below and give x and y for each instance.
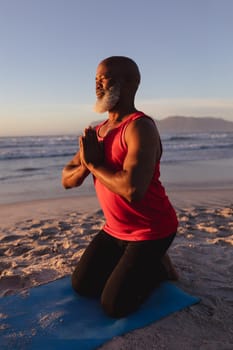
(74, 173)
(144, 151)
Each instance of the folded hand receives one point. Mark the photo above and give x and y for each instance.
(91, 150)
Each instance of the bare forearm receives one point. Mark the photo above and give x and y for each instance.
(73, 176)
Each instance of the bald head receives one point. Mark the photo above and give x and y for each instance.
(125, 68)
(117, 80)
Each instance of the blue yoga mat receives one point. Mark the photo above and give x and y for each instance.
(52, 316)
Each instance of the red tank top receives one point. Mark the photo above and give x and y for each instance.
(150, 218)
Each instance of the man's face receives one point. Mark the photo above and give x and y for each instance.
(107, 89)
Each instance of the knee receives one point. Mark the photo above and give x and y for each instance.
(110, 307)
(76, 284)
(116, 306)
(83, 286)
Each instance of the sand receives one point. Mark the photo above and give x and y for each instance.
(43, 240)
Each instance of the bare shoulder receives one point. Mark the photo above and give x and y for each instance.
(142, 136)
(144, 126)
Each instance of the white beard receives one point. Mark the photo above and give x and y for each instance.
(109, 100)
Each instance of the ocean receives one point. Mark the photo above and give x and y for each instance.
(30, 167)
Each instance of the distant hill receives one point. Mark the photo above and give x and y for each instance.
(193, 124)
(178, 124)
(97, 122)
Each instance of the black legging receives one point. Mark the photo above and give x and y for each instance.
(122, 273)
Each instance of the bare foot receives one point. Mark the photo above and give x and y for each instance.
(171, 271)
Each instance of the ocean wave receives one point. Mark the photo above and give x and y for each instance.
(29, 169)
(43, 148)
(35, 156)
(219, 146)
(210, 144)
(37, 142)
(15, 176)
(177, 138)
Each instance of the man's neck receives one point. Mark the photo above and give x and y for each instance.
(116, 116)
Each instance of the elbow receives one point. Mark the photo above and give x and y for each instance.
(70, 183)
(64, 180)
(67, 181)
(65, 184)
(66, 187)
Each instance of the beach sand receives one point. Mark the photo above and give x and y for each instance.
(43, 240)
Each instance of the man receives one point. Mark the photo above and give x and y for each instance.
(127, 259)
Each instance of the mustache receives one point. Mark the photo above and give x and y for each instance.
(100, 92)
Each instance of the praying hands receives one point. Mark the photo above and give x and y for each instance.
(91, 150)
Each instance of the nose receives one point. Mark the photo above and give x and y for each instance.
(99, 89)
(98, 85)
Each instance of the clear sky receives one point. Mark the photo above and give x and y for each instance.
(49, 50)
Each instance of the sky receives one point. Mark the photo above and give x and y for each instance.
(50, 49)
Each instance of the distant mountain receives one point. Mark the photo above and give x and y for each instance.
(178, 124)
(97, 122)
(193, 124)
